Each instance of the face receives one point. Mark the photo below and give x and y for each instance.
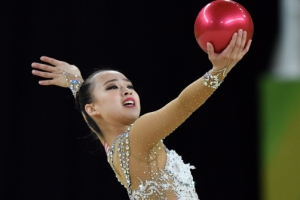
(115, 100)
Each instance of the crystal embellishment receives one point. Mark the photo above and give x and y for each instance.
(212, 79)
(74, 82)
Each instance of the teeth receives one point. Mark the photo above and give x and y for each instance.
(128, 102)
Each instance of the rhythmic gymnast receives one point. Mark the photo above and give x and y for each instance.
(133, 143)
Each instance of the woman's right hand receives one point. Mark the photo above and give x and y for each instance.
(53, 71)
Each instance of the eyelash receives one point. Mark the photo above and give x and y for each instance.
(116, 87)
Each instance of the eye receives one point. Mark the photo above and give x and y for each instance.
(130, 87)
(112, 87)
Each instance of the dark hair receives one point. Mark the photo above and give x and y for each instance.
(84, 96)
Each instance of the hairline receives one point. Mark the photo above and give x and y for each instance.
(91, 79)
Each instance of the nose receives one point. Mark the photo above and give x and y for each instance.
(127, 91)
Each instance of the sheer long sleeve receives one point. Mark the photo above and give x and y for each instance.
(150, 128)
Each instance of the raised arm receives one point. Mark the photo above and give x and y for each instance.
(150, 128)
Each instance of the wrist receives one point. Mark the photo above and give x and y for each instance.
(214, 78)
(220, 73)
(73, 82)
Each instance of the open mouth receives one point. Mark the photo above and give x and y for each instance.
(129, 102)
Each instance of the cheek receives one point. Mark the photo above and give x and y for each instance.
(107, 102)
(138, 99)
(111, 101)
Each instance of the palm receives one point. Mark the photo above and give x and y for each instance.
(234, 52)
(53, 71)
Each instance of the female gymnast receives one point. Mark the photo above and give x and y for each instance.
(133, 143)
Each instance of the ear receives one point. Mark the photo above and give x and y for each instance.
(91, 111)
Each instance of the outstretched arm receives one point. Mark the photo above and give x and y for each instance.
(150, 128)
(53, 71)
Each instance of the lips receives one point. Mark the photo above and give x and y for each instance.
(129, 102)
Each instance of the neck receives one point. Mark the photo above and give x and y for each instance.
(110, 132)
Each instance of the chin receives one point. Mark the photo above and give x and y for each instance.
(132, 118)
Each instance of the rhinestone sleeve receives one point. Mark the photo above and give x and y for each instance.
(150, 128)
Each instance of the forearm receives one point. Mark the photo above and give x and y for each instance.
(194, 95)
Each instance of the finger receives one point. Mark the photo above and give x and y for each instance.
(237, 45)
(210, 50)
(44, 67)
(44, 74)
(244, 39)
(46, 82)
(231, 45)
(241, 55)
(52, 61)
(243, 43)
(246, 49)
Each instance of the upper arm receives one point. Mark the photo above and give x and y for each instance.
(150, 128)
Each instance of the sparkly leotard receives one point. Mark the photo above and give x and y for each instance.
(173, 181)
(142, 163)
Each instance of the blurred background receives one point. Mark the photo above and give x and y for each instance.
(244, 141)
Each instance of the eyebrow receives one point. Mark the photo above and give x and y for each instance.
(125, 79)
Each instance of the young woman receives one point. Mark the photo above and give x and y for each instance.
(136, 153)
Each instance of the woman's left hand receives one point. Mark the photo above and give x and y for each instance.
(233, 53)
(53, 70)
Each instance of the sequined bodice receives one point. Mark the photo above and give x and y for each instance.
(173, 180)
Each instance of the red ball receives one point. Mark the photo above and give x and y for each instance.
(218, 21)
